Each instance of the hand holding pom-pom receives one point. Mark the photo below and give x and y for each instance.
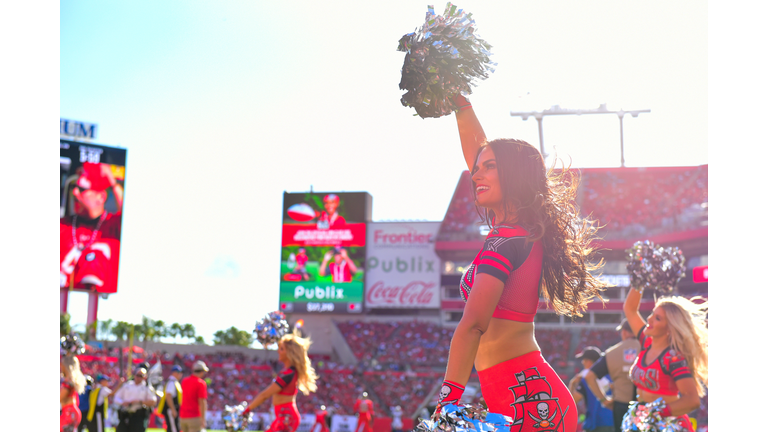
(652, 266)
(271, 328)
(444, 58)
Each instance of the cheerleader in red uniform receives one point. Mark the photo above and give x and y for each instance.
(70, 415)
(364, 411)
(298, 375)
(537, 246)
(672, 370)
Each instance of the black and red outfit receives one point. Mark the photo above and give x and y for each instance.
(287, 416)
(659, 377)
(525, 388)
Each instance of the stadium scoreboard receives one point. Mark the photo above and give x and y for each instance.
(323, 252)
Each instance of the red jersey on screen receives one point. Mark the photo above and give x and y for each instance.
(340, 272)
(301, 260)
(334, 221)
(193, 388)
(91, 255)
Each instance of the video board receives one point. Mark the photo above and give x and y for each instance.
(91, 189)
(322, 264)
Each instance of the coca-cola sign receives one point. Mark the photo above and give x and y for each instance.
(402, 269)
(416, 294)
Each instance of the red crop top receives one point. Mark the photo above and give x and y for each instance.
(658, 377)
(287, 381)
(509, 258)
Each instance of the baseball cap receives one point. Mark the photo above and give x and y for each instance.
(624, 326)
(91, 178)
(331, 197)
(176, 368)
(590, 353)
(101, 378)
(199, 366)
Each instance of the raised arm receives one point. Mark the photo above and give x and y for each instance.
(264, 395)
(470, 131)
(632, 310)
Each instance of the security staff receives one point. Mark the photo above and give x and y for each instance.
(616, 362)
(83, 403)
(171, 400)
(136, 399)
(96, 415)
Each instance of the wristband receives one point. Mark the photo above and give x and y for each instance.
(461, 102)
(665, 412)
(450, 393)
(246, 411)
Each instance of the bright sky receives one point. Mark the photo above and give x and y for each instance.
(224, 105)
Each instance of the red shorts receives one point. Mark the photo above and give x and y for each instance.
(287, 418)
(364, 422)
(69, 418)
(527, 389)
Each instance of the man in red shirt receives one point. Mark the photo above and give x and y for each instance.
(342, 268)
(194, 404)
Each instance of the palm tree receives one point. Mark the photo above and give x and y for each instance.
(174, 331)
(160, 328)
(188, 331)
(120, 330)
(64, 327)
(104, 328)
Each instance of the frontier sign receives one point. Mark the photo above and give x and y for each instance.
(403, 269)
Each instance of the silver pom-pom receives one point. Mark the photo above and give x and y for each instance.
(271, 328)
(234, 420)
(71, 344)
(648, 418)
(444, 58)
(466, 418)
(652, 266)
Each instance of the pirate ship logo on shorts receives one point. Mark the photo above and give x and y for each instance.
(535, 408)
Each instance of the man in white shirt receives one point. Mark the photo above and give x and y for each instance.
(135, 399)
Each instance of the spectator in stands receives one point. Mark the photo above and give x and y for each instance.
(194, 402)
(597, 417)
(536, 240)
(674, 351)
(616, 364)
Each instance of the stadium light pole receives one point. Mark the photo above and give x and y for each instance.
(556, 110)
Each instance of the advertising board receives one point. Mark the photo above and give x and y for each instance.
(403, 270)
(322, 265)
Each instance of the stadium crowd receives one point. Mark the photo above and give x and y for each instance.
(399, 364)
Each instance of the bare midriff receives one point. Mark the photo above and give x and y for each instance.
(504, 340)
(646, 396)
(279, 399)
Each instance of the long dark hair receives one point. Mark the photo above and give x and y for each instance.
(544, 201)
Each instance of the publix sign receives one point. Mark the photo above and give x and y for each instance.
(402, 269)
